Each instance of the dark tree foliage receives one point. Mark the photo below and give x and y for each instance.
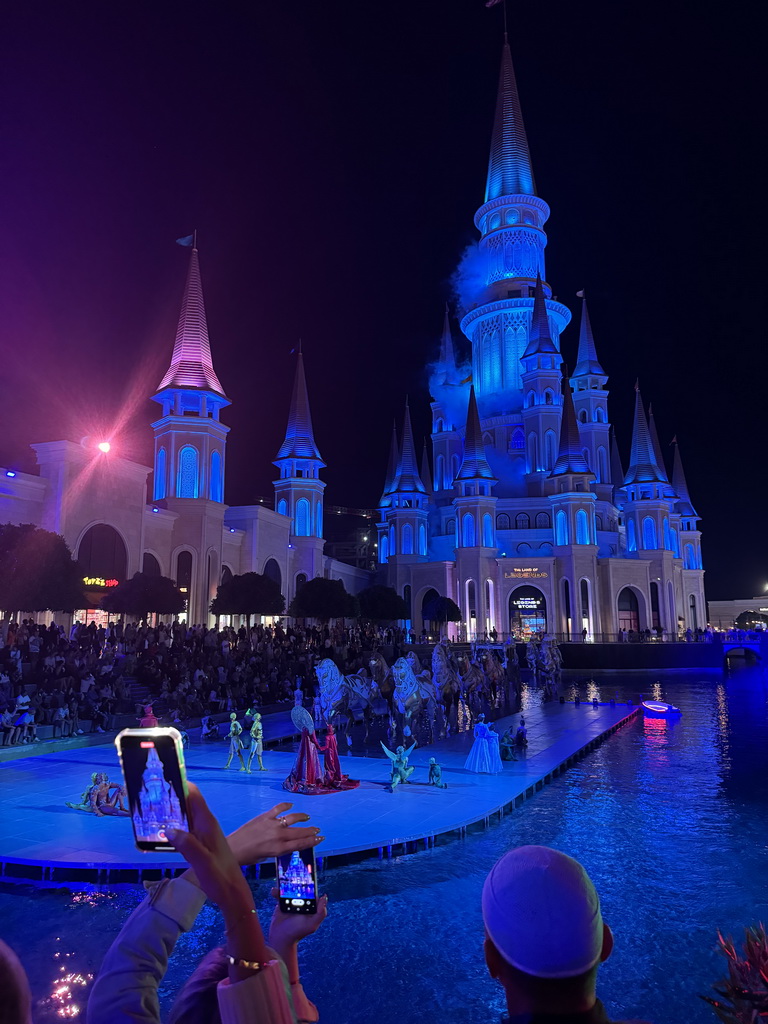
(37, 571)
(747, 620)
(324, 599)
(248, 594)
(382, 604)
(441, 609)
(144, 594)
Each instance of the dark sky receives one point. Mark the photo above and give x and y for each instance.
(331, 156)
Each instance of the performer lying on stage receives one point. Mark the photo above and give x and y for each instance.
(96, 798)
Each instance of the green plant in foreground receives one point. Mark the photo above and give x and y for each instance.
(743, 995)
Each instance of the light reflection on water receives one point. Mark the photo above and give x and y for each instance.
(670, 817)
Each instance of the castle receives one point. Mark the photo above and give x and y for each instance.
(527, 518)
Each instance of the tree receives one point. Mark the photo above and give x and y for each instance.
(324, 599)
(382, 604)
(144, 594)
(37, 571)
(441, 609)
(248, 594)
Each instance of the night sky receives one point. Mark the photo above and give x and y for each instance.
(331, 157)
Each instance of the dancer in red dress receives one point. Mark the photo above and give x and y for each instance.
(306, 775)
(333, 776)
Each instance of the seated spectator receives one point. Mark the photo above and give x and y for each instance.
(544, 937)
(246, 981)
(62, 722)
(8, 727)
(148, 721)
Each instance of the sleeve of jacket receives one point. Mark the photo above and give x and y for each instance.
(127, 983)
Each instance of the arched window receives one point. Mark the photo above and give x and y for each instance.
(666, 535)
(406, 539)
(440, 482)
(383, 548)
(602, 465)
(160, 475)
(689, 557)
(583, 416)
(675, 542)
(282, 507)
(650, 541)
(655, 610)
(530, 400)
(631, 536)
(407, 598)
(522, 521)
(272, 572)
(392, 541)
(586, 618)
(302, 518)
(543, 522)
(422, 539)
(518, 440)
(319, 519)
(502, 521)
(561, 527)
(488, 530)
(599, 415)
(217, 482)
(533, 453)
(694, 618)
(550, 448)
(301, 579)
(450, 527)
(184, 574)
(549, 397)
(150, 565)
(468, 530)
(102, 552)
(598, 522)
(582, 527)
(439, 427)
(187, 479)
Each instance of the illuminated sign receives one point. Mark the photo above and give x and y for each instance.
(529, 573)
(98, 581)
(527, 602)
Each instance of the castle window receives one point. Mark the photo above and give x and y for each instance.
(282, 507)
(522, 522)
(217, 482)
(422, 540)
(583, 416)
(407, 540)
(487, 531)
(187, 477)
(650, 541)
(561, 528)
(582, 527)
(543, 521)
(549, 397)
(468, 530)
(502, 521)
(303, 527)
(160, 472)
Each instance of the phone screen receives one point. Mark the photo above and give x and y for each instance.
(296, 882)
(153, 768)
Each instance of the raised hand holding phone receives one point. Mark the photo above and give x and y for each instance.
(155, 779)
(297, 881)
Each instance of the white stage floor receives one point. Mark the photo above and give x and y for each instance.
(36, 828)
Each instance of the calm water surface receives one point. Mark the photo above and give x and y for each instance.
(669, 818)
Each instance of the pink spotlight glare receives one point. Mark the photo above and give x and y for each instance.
(104, 446)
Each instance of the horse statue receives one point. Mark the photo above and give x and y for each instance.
(382, 675)
(472, 676)
(423, 674)
(411, 693)
(446, 679)
(531, 651)
(493, 669)
(338, 693)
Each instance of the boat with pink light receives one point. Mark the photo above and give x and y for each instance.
(660, 708)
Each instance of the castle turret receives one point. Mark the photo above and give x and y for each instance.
(405, 516)
(590, 400)
(542, 407)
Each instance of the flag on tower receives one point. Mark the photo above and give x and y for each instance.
(580, 295)
(187, 240)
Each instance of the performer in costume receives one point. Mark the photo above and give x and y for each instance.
(507, 745)
(484, 756)
(306, 775)
(400, 770)
(96, 797)
(257, 745)
(235, 742)
(332, 768)
(436, 774)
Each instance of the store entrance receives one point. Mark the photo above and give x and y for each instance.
(527, 612)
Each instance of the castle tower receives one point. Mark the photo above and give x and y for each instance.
(476, 528)
(686, 540)
(403, 529)
(590, 400)
(543, 404)
(190, 439)
(299, 489)
(498, 303)
(448, 404)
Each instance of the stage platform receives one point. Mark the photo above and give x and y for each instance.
(42, 839)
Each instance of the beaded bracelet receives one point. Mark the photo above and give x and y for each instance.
(251, 965)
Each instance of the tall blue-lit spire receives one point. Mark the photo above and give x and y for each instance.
(407, 476)
(540, 338)
(299, 440)
(655, 437)
(394, 458)
(683, 505)
(447, 352)
(643, 467)
(570, 457)
(474, 465)
(617, 470)
(426, 472)
(587, 363)
(509, 168)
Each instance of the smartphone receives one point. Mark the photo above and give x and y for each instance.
(297, 881)
(155, 779)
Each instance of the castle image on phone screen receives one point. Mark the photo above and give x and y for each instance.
(155, 804)
(297, 880)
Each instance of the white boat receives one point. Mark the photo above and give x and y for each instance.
(659, 707)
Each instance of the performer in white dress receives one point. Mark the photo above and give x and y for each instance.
(484, 755)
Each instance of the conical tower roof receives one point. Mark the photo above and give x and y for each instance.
(570, 457)
(299, 440)
(407, 477)
(394, 458)
(683, 505)
(191, 362)
(474, 465)
(617, 470)
(509, 168)
(447, 352)
(587, 362)
(540, 338)
(426, 472)
(655, 438)
(643, 467)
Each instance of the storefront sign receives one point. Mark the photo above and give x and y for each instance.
(532, 573)
(98, 581)
(527, 602)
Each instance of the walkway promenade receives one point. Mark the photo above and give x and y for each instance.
(40, 838)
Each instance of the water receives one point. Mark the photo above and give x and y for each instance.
(670, 818)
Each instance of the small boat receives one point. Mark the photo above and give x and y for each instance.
(658, 707)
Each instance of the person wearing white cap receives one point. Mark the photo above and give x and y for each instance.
(545, 937)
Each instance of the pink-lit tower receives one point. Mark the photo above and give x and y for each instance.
(299, 489)
(190, 439)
